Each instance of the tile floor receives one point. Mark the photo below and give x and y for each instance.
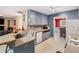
(51, 46)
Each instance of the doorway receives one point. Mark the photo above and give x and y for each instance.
(59, 27)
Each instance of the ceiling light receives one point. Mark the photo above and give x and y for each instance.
(51, 8)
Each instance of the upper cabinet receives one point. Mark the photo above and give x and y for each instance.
(36, 18)
(39, 19)
(32, 18)
(44, 20)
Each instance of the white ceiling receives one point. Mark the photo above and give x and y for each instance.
(12, 10)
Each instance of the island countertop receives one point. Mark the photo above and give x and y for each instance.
(22, 41)
(5, 39)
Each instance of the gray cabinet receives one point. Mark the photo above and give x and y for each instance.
(46, 35)
(44, 20)
(32, 18)
(36, 18)
(39, 19)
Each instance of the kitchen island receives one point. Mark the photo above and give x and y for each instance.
(21, 45)
(27, 45)
(24, 45)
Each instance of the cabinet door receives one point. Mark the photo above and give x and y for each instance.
(27, 48)
(32, 18)
(44, 20)
(48, 34)
(44, 36)
(39, 17)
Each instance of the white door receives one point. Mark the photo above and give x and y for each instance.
(56, 31)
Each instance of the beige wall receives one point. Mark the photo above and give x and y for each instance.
(19, 21)
(26, 19)
(5, 24)
(12, 23)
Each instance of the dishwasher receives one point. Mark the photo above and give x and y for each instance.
(39, 37)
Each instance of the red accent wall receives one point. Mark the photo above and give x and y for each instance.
(57, 22)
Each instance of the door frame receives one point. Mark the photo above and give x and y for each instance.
(63, 16)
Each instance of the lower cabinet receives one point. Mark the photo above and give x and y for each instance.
(41, 36)
(27, 48)
(46, 35)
